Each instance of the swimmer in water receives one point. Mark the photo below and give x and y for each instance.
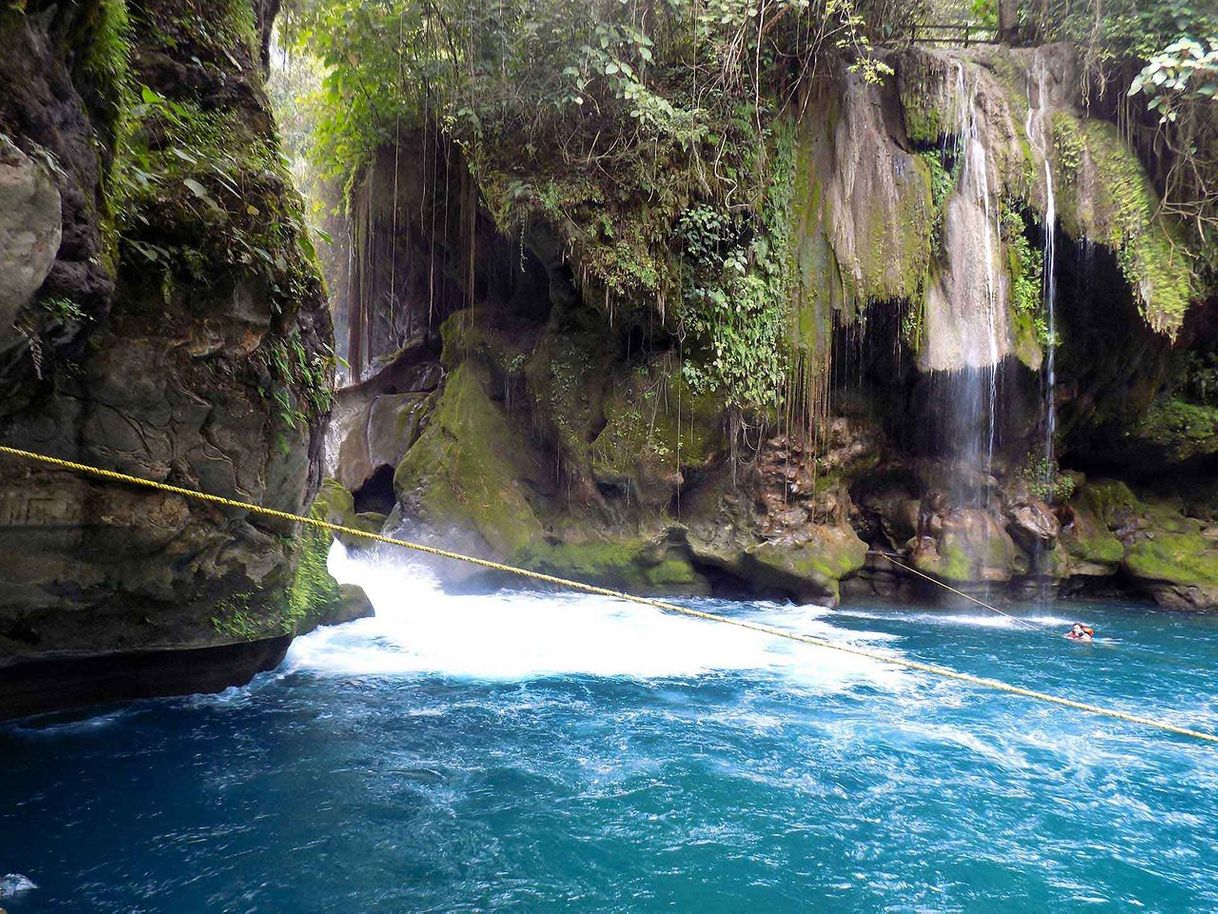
(1080, 632)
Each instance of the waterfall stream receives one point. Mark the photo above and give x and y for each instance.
(977, 407)
(1040, 140)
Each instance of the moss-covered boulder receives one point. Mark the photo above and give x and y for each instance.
(1167, 554)
(655, 431)
(1175, 431)
(973, 547)
(809, 571)
(1094, 549)
(336, 505)
(465, 479)
(1179, 569)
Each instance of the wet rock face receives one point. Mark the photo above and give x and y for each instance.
(376, 422)
(149, 344)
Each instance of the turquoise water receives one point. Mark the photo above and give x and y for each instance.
(557, 753)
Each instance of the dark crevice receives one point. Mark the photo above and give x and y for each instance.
(376, 495)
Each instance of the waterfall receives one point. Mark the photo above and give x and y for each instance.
(976, 414)
(1039, 138)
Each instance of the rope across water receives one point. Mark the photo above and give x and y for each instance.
(878, 657)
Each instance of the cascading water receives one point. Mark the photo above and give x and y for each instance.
(513, 635)
(1034, 128)
(974, 412)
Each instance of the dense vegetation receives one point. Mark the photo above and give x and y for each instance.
(1154, 68)
(650, 135)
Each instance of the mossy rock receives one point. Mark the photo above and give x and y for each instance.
(566, 376)
(811, 571)
(314, 597)
(336, 505)
(1108, 198)
(1111, 501)
(470, 334)
(631, 565)
(654, 428)
(465, 470)
(973, 549)
(1099, 507)
(1179, 430)
(1179, 569)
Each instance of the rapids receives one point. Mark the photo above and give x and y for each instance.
(547, 752)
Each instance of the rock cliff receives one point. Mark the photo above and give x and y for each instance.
(161, 314)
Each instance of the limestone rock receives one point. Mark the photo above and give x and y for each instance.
(30, 230)
(1032, 523)
(973, 548)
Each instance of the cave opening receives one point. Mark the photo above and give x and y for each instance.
(376, 495)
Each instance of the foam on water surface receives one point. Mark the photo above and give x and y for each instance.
(550, 752)
(516, 635)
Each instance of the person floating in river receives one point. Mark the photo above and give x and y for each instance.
(1080, 632)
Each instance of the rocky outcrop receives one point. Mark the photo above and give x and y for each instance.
(30, 231)
(168, 322)
(567, 436)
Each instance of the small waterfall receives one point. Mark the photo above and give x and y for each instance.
(976, 412)
(1039, 137)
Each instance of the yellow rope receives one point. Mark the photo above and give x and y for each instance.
(771, 631)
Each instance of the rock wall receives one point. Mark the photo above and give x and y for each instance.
(545, 429)
(161, 314)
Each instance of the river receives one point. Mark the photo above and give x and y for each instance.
(544, 752)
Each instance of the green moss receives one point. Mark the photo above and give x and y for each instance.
(1068, 147)
(653, 417)
(336, 505)
(630, 565)
(470, 334)
(1109, 500)
(1096, 545)
(898, 243)
(313, 595)
(464, 468)
(942, 183)
(104, 67)
(1025, 265)
(1181, 558)
(817, 566)
(1108, 198)
(1186, 429)
(926, 121)
(969, 554)
(237, 618)
(565, 374)
(955, 562)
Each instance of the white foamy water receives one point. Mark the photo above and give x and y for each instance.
(979, 620)
(515, 635)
